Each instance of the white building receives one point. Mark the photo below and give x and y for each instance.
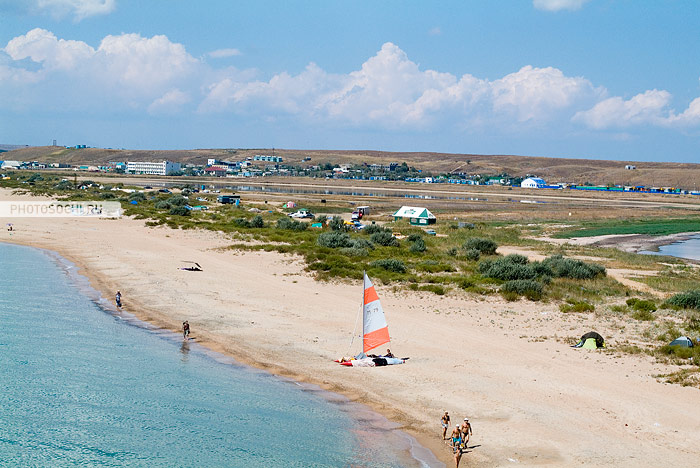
(152, 168)
(533, 182)
(10, 165)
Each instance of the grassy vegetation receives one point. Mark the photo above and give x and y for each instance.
(458, 260)
(652, 227)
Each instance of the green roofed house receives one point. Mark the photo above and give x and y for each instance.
(416, 215)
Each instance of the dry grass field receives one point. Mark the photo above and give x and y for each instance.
(597, 172)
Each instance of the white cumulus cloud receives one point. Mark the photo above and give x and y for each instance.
(223, 53)
(648, 108)
(171, 102)
(126, 70)
(391, 90)
(556, 5)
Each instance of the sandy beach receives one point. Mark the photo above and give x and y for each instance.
(532, 400)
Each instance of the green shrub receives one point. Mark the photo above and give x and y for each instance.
(390, 264)
(434, 288)
(354, 252)
(64, 185)
(241, 222)
(373, 229)
(473, 254)
(418, 246)
(569, 268)
(163, 205)
(107, 195)
(524, 287)
(484, 246)
(414, 237)
(642, 314)
(433, 266)
(507, 268)
(384, 238)
(337, 224)
(177, 200)
(179, 211)
(334, 239)
(257, 222)
(291, 224)
(359, 243)
(576, 306)
(686, 300)
(641, 305)
(453, 251)
(137, 197)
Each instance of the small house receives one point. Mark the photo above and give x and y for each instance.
(416, 215)
(533, 182)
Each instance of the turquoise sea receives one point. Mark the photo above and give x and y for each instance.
(81, 385)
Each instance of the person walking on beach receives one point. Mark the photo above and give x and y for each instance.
(457, 452)
(118, 299)
(466, 431)
(456, 437)
(445, 421)
(457, 444)
(186, 330)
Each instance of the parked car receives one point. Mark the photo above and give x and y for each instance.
(164, 190)
(302, 213)
(431, 232)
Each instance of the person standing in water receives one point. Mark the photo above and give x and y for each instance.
(186, 330)
(118, 299)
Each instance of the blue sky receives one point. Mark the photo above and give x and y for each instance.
(601, 79)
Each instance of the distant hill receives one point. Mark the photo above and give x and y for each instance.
(597, 172)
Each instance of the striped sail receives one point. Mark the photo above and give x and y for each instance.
(375, 331)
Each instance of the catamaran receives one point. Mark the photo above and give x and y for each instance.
(375, 331)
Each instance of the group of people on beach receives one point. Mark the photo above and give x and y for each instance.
(459, 437)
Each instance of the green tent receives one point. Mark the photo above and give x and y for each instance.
(590, 344)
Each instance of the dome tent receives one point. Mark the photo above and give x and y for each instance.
(590, 340)
(682, 341)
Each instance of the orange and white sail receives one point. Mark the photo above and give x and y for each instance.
(375, 331)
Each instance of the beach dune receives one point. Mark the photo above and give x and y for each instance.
(532, 400)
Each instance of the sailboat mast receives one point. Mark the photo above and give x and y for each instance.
(362, 306)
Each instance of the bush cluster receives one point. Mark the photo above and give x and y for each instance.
(484, 246)
(509, 268)
(179, 211)
(373, 229)
(384, 238)
(524, 287)
(641, 305)
(686, 300)
(576, 306)
(390, 264)
(291, 224)
(561, 267)
(256, 222)
(354, 251)
(473, 254)
(334, 239)
(418, 245)
(177, 200)
(162, 205)
(337, 224)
